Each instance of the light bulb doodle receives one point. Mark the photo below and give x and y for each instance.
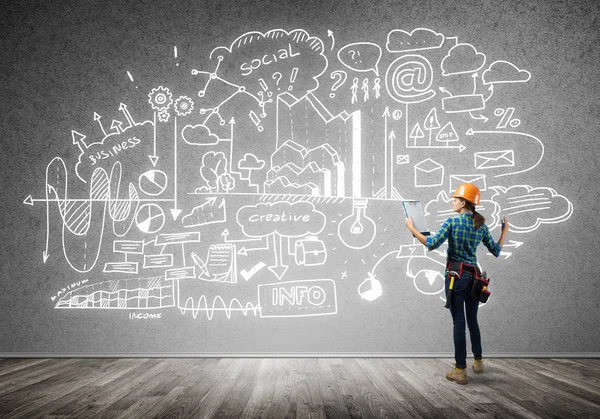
(357, 230)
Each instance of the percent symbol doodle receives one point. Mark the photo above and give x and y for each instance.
(506, 118)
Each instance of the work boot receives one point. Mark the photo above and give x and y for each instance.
(478, 366)
(458, 375)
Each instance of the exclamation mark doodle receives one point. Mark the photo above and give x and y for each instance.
(256, 120)
(130, 77)
(262, 83)
(175, 54)
(293, 76)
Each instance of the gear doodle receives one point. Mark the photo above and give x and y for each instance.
(184, 106)
(163, 115)
(160, 98)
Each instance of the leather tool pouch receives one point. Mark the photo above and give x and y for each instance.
(479, 289)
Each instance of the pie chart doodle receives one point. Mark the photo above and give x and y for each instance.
(150, 218)
(153, 182)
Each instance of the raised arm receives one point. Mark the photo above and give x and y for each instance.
(495, 247)
(504, 231)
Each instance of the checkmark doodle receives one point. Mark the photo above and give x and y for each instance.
(249, 274)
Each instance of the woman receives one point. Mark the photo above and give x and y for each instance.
(464, 233)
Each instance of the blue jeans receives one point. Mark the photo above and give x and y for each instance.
(462, 301)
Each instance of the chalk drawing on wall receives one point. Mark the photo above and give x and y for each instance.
(269, 181)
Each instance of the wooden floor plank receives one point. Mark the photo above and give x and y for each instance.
(37, 400)
(533, 391)
(237, 398)
(333, 399)
(413, 397)
(195, 387)
(282, 402)
(95, 398)
(336, 388)
(380, 378)
(10, 366)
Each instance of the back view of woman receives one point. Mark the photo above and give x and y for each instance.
(464, 233)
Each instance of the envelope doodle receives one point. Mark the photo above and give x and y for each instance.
(478, 180)
(494, 159)
(429, 173)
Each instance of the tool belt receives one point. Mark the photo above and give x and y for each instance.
(461, 267)
(479, 289)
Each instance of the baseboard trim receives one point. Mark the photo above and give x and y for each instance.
(291, 355)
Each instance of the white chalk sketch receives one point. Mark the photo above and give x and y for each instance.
(477, 180)
(506, 118)
(281, 156)
(399, 40)
(530, 207)
(209, 305)
(370, 289)
(138, 293)
(429, 173)
(207, 213)
(361, 57)
(409, 78)
(310, 251)
(357, 230)
(308, 298)
(494, 159)
(461, 59)
(504, 72)
(220, 264)
(409, 262)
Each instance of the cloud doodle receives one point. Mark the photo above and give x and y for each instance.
(251, 162)
(418, 39)
(439, 210)
(527, 208)
(504, 72)
(462, 58)
(285, 218)
(198, 135)
(277, 59)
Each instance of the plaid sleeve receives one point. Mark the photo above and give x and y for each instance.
(433, 242)
(489, 242)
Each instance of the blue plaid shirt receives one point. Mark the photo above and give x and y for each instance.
(463, 239)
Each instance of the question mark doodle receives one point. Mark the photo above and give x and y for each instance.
(340, 81)
(353, 54)
(277, 76)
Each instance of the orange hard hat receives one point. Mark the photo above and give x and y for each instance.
(469, 192)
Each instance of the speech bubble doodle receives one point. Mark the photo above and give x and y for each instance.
(361, 56)
(274, 60)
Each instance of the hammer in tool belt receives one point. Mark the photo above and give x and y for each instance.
(453, 275)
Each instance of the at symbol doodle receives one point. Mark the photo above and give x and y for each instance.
(408, 79)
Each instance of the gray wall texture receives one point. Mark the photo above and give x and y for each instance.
(217, 177)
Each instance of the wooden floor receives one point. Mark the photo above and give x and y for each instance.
(296, 388)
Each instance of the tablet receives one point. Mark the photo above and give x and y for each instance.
(415, 210)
